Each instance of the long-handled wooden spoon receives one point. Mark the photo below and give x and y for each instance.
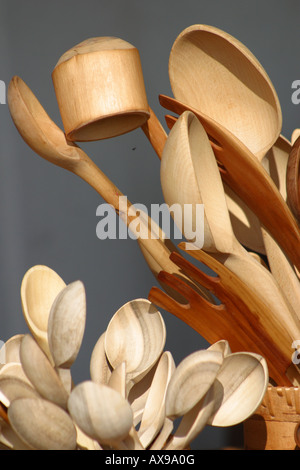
(48, 140)
(136, 334)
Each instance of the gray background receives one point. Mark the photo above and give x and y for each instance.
(48, 216)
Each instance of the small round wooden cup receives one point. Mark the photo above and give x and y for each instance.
(275, 424)
(100, 89)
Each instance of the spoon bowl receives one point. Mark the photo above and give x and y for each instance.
(101, 412)
(136, 335)
(202, 55)
(204, 185)
(39, 288)
(189, 383)
(243, 379)
(42, 425)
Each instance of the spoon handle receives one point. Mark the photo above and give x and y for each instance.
(157, 248)
(155, 133)
(163, 436)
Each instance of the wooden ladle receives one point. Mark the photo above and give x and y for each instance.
(48, 140)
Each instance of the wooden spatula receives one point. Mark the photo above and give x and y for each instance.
(236, 319)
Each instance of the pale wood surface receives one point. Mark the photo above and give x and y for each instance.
(106, 68)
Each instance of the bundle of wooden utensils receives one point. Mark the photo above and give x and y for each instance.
(135, 396)
(224, 150)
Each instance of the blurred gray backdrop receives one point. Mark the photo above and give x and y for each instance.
(48, 216)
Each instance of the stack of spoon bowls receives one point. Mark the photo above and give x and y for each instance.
(136, 391)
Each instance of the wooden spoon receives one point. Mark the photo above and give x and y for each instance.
(48, 141)
(295, 135)
(237, 318)
(42, 425)
(192, 423)
(39, 288)
(136, 334)
(188, 385)
(41, 373)
(101, 412)
(188, 146)
(154, 411)
(209, 55)
(100, 369)
(202, 55)
(240, 387)
(237, 162)
(10, 351)
(117, 382)
(66, 328)
(275, 162)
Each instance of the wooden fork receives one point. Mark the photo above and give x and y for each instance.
(236, 319)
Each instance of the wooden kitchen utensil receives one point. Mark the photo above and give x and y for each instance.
(236, 319)
(275, 163)
(189, 383)
(188, 147)
(39, 288)
(100, 91)
(41, 373)
(42, 425)
(202, 55)
(136, 334)
(154, 410)
(243, 172)
(48, 141)
(102, 413)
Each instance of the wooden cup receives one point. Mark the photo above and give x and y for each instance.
(100, 89)
(274, 426)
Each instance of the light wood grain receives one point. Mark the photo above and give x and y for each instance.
(100, 89)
